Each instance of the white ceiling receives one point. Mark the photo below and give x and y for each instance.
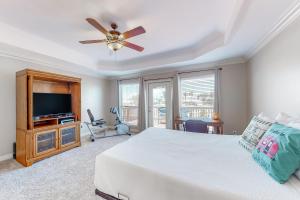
(177, 32)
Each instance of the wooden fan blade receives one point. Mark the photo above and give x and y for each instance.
(91, 41)
(134, 32)
(132, 46)
(96, 24)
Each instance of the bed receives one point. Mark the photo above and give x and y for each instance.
(161, 164)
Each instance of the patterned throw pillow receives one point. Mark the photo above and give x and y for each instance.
(278, 152)
(254, 132)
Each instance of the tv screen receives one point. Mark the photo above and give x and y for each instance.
(50, 104)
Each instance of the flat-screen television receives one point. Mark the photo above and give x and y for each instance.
(51, 104)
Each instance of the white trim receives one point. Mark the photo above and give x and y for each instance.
(129, 81)
(290, 16)
(84, 134)
(238, 9)
(158, 80)
(56, 65)
(150, 84)
(177, 68)
(6, 157)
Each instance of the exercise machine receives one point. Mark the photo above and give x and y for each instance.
(97, 126)
(120, 127)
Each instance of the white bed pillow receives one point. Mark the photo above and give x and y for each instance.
(265, 117)
(254, 132)
(294, 124)
(284, 118)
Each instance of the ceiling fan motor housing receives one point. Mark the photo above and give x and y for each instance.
(114, 26)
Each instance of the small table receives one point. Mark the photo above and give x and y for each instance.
(216, 124)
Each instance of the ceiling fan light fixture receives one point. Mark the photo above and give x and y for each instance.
(114, 46)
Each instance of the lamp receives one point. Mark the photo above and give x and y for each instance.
(114, 45)
(114, 40)
(216, 116)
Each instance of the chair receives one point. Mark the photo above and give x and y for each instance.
(94, 122)
(197, 126)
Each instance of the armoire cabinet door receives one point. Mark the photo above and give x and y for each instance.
(67, 136)
(45, 142)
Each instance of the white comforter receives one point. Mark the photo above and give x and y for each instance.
(161, 164)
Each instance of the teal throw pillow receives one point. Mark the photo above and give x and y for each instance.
(278, 152)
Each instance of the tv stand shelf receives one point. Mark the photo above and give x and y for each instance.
(48, 121)
(45, 122)
(37, 139)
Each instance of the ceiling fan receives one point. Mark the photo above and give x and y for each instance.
(114, 39)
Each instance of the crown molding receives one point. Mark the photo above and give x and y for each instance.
(16, 53)
(181, 68)
(240, 7)
(285, 20)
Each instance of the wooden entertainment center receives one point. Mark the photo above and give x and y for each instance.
(41, 137)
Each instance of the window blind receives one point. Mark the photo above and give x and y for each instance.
(197, 98)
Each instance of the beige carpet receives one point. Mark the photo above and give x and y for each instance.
(67, 176)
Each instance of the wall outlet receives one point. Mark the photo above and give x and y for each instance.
(234, 132)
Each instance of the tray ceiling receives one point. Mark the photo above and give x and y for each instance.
(187, 32)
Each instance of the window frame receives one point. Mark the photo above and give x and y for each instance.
(192, 75)
(120, 99)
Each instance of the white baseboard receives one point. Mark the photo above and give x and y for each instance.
(83, 134)
(6, 157)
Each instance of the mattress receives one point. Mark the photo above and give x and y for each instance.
(161, 164)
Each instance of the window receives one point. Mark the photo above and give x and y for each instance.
(197, 98)
(129, 101)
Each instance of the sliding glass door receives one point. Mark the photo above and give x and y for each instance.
(159, 104)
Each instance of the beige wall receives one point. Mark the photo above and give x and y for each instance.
(94, 95)
(233, 95)
(234, 98)
(274, 75)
